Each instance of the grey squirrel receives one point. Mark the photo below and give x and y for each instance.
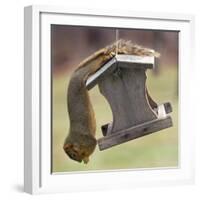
(81, 142)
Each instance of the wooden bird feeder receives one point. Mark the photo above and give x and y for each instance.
(122, 81)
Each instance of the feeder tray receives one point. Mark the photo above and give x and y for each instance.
(122, 81)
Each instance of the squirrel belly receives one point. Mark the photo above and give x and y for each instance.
(80, 142)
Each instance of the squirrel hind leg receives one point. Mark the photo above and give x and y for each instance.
(120, 47)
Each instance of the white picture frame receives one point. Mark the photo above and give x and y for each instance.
(37, 138)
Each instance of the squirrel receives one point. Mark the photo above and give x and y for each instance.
(81, 142)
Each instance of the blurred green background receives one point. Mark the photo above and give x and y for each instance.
(72, 44)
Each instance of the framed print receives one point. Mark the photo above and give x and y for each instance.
(107, 99)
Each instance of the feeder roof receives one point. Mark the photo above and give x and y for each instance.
(122, 61)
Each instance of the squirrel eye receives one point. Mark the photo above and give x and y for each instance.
(73, 155)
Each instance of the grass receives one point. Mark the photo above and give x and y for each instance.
(156, 150)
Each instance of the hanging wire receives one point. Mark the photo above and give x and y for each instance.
(116, 38)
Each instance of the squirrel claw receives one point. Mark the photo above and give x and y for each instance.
(86, 160)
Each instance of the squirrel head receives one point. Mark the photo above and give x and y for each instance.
(79, 152)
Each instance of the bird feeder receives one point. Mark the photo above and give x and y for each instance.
(122, 81)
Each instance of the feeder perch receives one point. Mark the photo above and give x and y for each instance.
(122, 81)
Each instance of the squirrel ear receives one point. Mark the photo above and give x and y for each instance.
(67, 146)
